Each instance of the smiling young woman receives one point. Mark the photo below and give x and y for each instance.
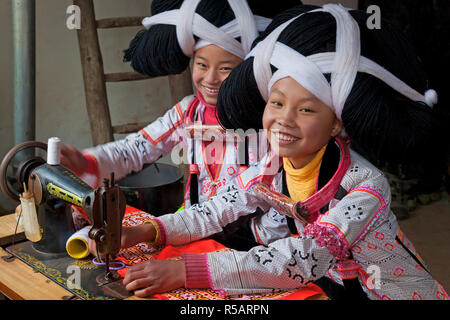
(299, 123)
(211, 67)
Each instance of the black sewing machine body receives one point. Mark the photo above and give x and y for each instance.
(55, 190)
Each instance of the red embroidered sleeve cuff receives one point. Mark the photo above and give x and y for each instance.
(197, 270)
(325, 238)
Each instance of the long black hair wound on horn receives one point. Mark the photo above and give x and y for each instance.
(384, 125)
(156, 52)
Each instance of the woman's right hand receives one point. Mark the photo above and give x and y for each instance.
(73, 159)
(131, 236)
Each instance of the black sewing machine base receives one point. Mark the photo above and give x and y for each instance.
(81, 277)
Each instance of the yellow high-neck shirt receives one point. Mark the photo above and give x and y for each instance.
(301, 183)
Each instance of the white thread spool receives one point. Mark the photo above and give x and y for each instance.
(53, 151)
(77, 245)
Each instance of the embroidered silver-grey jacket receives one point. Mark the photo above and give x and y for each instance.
(361, 221)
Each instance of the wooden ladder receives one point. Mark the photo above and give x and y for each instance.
(95, 79)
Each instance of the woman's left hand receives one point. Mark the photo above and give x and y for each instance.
(155, 276)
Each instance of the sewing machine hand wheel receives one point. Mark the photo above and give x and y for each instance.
(21, 174)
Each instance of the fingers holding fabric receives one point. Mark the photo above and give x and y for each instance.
(155, 276)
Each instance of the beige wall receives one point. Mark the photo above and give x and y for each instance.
(60, 101)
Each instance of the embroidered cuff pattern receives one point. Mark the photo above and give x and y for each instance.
(325, 238)
(197, 271)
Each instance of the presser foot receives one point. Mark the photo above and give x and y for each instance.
(107, 277)
(111, 285)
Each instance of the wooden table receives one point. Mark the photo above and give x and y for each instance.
(7, 227)
(19, 281)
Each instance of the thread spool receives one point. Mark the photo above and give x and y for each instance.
(77, 245)
(53, 151)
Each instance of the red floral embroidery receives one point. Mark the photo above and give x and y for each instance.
(416, 296)
(389, 246)
(348, 269)
(325, 238)
(398, 272)
(231, 171)
(379, 235)
(441, 296)
(356, 249)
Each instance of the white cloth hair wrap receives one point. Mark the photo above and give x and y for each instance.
(343, 65)
(188, 23)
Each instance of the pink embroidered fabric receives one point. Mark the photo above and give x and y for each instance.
(348, 269)
(196, 271)
(325, 238)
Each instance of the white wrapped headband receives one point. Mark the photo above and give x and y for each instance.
(343, 65)
(188, 23)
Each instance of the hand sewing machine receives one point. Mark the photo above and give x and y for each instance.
(55, 189)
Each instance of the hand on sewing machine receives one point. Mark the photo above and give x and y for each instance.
(131, 236)
(73, 159)
(155, 276)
